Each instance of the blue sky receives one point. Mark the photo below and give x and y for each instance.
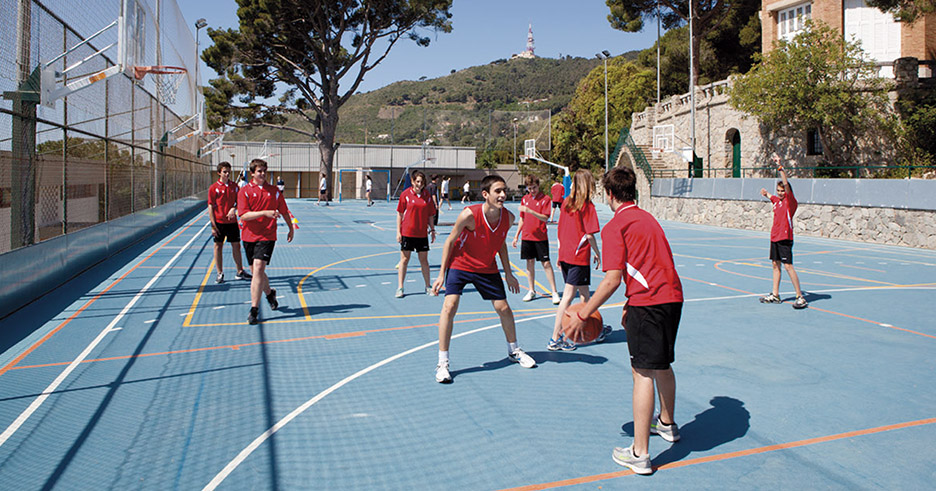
(483, 31)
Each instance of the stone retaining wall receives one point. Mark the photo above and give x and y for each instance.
(911, 228)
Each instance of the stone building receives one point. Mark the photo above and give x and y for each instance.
(731, 143)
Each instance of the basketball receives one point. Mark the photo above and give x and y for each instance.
(593, 325)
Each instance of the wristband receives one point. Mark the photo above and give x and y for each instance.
(579, 315)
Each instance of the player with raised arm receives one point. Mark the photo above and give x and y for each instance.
(781, 238)
(468, 256)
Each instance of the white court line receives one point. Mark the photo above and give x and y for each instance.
(7, 433)
(242, 456)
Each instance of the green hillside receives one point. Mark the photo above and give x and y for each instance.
(471, 107)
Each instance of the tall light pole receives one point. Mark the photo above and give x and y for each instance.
(604, 55)
(199, 24)
(692, 81)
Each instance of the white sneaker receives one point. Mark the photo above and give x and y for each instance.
(520, 356)
(442, 373)
(430, 292)
(555, 298)
(529, 296)
(219, 278)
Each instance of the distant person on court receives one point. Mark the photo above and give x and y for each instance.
(781, 238)
(534, 212)
(413, 226)
(281, 185)
(433, 188)
(478, 236)
(323, 191)
(578, 224)
(557, 191)
(635, 251)
(368, 187)
(466, 189)
(259, 205)
(222, 211)
(446, 181)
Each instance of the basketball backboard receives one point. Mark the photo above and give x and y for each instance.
(129, 42)
(529, 148)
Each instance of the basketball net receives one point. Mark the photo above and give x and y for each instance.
(168, 79)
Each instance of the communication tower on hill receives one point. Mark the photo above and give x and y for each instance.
(529, 51)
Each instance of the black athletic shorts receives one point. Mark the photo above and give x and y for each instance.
(651, 334)
(782, 250)
(445, 196)
(535, 249)
(227, 230)
(262, 249)
(557, 204)
(418, 244)
(575, 274)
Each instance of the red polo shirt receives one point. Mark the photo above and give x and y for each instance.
(222, 197)
(416, 210)
(533, 228)
(634, 243)
(558, 192)
(783, 210)
(259, 198)
(574, 248)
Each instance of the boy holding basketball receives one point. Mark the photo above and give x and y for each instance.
(781, 238)
(635, 251)
(479, 235)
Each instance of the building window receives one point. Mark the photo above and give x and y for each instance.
(792, 20)
(813, 143)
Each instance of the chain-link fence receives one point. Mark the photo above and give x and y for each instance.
(100, 153)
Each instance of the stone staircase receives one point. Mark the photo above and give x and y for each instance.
(656, 163)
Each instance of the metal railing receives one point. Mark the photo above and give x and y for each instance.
(828, 172)
(640, 160)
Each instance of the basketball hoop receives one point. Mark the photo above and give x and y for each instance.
(168, 80)
(523, 159)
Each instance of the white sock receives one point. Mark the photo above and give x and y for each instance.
(443, 356)
(511, 347)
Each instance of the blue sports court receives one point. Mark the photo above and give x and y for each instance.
(144, 374)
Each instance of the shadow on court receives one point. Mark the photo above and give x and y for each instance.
(32, 315)
(725, 421)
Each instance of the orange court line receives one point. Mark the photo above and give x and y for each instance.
(880, 324)
(867, 269)
(729, 455)
(87, 304)
(261, 343)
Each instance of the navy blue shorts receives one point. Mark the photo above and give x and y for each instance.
(575, 275)
(489, 285)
